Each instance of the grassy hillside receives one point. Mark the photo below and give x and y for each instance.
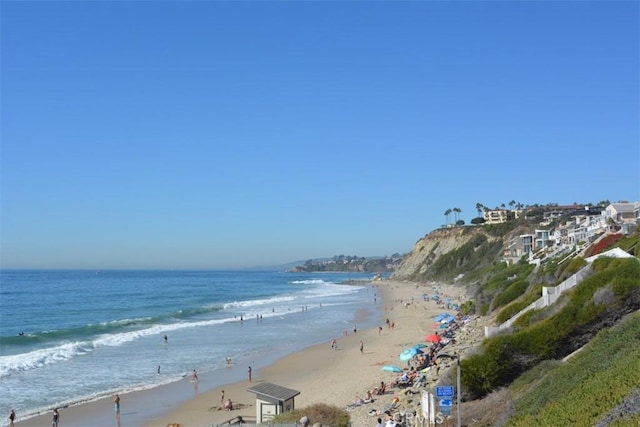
(612, 291)
(597, 384)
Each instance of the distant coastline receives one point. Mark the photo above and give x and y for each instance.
(351, 264)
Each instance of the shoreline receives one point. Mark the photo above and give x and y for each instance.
(322, 375)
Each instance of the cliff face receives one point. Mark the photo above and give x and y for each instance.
(431, 247)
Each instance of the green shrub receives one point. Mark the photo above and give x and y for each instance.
(572, 267)
(630, 244)
(484, 372)
(622, 287)
(468, 307)
(500, 230)
(513, 291)
(484, 309)
(509, 311)
(515, 307)
(525, 319)
(318, 413)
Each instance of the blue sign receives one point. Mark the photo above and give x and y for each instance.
(444, 391)
(446, 402)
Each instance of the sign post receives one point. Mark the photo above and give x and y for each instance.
(458, 395)
(445, 391)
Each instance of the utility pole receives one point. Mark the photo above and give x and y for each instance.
(458, 384)
(458, 393)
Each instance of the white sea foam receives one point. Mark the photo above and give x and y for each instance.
(39, 358)
(46, 356)
(124, 321)
(252, 303)
(309, 282)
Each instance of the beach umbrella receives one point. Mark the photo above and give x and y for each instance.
(409, 353)
(434, 338)
(391, 368)
(441, 317)
(419, 346)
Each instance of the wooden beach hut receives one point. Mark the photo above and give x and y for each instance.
(271, 400)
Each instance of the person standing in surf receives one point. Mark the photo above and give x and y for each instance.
(55, 419)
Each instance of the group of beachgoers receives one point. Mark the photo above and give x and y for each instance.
(411, 379)
(55, 417)
(225, 404)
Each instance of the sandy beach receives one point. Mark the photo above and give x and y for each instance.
(319, 373)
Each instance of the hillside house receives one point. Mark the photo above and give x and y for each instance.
(519, 246)
(623, 212)
(498, 216)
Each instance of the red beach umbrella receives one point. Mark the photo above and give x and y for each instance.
(434, 338)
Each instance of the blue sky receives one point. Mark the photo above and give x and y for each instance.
(230, 134)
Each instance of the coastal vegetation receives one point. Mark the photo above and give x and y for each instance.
(351, 263)
(470, 256)
(321, 413)
(609, 294)
(590, 386)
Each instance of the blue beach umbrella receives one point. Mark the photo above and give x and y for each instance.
(441, 317)
(419, 346)
(391, 368)
(409, 353)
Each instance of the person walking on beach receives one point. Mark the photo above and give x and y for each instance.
(249, 371)
(222, 397)
(116, 404)
(361, 346)
(12, 417)
(334, 345)
(55, 419)
(194, 376)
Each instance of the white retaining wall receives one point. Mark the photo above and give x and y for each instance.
(549, 296)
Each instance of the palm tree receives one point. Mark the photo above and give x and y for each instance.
(446, 214)
(457, 211)
(512, 203)
(479, 207)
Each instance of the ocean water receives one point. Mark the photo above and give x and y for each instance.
(68, 337)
